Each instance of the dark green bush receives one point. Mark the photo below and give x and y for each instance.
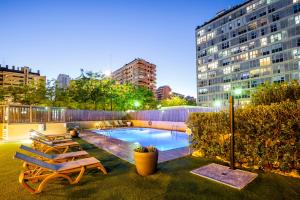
(267, 136)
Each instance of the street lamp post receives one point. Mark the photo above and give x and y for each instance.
(231, 113)
(237, 91)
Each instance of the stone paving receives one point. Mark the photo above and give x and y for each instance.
(234, 178)
(124, 150)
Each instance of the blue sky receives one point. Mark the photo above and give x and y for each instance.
(62, 36)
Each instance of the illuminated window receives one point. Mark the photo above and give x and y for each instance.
(297, 19)
(227, 70)
(210, 35)
(224, 53)
(276, 37)
(202, 68)
(226, 87)
(212, 50)
(296, 1)
(201, 39)
(202, 76)
(296, 53)
(212, 65)
(263, 42)
(203, 90)
(253, 54)
(201, 32)
(265, 61)
(244, 57)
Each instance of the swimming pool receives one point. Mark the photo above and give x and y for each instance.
(162, 139)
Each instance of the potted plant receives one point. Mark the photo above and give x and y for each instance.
(74, 131)
(145, 160)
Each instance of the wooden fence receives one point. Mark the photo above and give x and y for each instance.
(39, 114)
(172, 114)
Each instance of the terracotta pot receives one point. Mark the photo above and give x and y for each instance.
(146, 163)
(74, 133)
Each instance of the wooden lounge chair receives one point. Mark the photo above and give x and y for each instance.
(51, 137)
(122, 123)
(46, 146)
(43, 172)
(56, 158)
(108, 124)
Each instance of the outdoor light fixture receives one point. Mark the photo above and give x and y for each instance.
(238, 91)
(218, 103)
(136, 103)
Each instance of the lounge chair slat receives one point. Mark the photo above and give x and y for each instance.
(69, 155)
(76, 163)
(35, 161)
(36, 152)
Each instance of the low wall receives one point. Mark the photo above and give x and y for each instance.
(178, 126)
(84, 124)
(20, 131)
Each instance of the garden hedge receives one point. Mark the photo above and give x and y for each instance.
(267, 136)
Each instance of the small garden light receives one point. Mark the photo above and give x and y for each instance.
(136, 103)
(238, 91)
(217, 103)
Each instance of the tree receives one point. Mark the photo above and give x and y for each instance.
(174, 101)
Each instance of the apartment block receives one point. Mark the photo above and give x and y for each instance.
(16, 76)
(245, 46)
(163, 92)
(138, 72)
(63, 80)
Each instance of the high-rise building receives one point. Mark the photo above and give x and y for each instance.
(19, 76)
(138, 72)
(163, 92)
(63, 80)
(250, 44)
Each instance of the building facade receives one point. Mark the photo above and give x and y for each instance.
(163, 92)
(12, 76)
(138, 72)
(63, 80)
(250, 44)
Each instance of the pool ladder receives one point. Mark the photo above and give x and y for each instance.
(173, 130)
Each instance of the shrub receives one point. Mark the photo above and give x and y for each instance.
(267, 136)
(274, 93)
(142, 149)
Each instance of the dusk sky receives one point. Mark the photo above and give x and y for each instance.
(62, 36)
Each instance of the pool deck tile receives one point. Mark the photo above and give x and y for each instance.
(124, 150)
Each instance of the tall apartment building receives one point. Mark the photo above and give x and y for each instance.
(138, 72)
(163, 92)
(252, 43)
(19, 76)
(63, 80)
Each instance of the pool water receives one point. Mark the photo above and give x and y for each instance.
(163, 140)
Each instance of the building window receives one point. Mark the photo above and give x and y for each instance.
(276, 37)
(276, 48)
(273, 27)
(243, 39)
(244, 57)
(296, 53)
(297, 19)
(227, 70)
(253, 54)
(226, 87)
(212, 50)
(275, 17)
(211, 35)
(225, 45)
(212, 65)
(265, 61)
(263, 42)
(297, 8)
(253, 35)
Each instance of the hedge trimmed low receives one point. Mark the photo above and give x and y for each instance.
(267, 136)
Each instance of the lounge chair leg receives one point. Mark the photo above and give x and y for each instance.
(48, 178)
(79, 176)
(102, 168)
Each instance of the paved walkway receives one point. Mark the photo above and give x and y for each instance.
(124, 150)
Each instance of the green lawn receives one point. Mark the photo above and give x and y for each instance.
(173, 181)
